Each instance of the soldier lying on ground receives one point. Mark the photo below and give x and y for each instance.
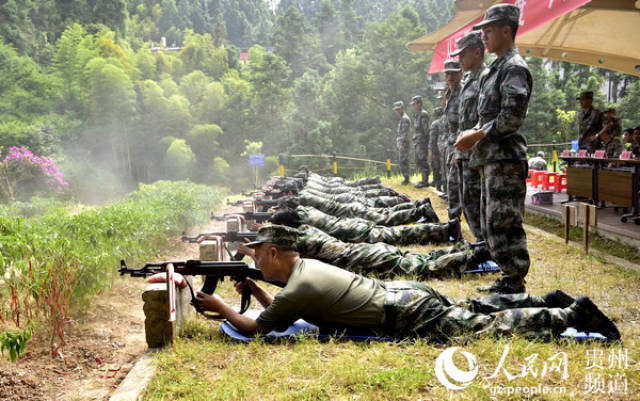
(339, 180)
(356, 230)
(333, 298)
(400, 214)
(380, 259)
(348, 197)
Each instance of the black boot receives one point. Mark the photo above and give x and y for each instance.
(557, 299)
(406, 180)
(454, 230)
(590, 319)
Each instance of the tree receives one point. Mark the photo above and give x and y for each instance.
(179, 161)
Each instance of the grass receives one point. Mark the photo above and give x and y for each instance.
(206, 366)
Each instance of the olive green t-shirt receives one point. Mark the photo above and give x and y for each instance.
(326, 296)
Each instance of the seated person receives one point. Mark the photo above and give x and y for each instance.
(333, 298)
(380, 259)
(610, 123)
(404, 213)
(632, 141)
(611, 145)
(355, 229)
(538, 162)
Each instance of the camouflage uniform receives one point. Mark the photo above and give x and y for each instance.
(613, 148)
(398, 215)
(421, 143)
(434, 136)
(470, 177)
(384, 260)
(357, 230)
(590, 122)
(402, 141)
(502, 155)
(348, 197)
(537, 163)
(371, 189)
(415, 309)
(452, 112)
(339, 180)
(443, 146)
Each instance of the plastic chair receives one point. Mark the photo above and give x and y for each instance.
(536, 178)
(560, 182)
(549, 180)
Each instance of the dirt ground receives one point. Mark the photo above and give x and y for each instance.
(104, 340)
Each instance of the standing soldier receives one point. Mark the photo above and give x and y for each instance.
(402, 140)
(421, 140)
(453, 75)
(501, 150)
(442, 143)
(590, 121)
(434, 152)
(471, 54)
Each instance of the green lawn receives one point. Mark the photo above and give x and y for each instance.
(206, 366)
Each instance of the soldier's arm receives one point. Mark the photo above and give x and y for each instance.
(515, 90)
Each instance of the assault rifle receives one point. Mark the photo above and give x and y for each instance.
(229, 236)
(258, 217)
(213, 272)
(264, 203)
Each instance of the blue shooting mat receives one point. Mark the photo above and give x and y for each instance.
(302, 328)
(487, 267)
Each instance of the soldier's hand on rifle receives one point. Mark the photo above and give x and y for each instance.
(250, 283)
(213, 303)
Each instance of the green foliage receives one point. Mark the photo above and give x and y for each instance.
(60, 257)
(14, 342)
(180, 160)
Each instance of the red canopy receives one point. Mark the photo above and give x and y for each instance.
(533, 13)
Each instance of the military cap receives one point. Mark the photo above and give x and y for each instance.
(471, 38)
(438, 111)
(585, 95)
(416, 99)
(452, 65)
(397, 105)
(499, 12)
(277, 235)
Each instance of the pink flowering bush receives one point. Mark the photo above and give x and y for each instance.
(20, 165)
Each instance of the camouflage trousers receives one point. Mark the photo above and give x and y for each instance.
(453, 188)
(403, 213)
(358, 230)
(470, 196)
(403, 159)
(444, 155)
(347, 197)
(503, 191)
(383, 260)
(415, 309)
(422, 159)
(339, 180)
(435, 166)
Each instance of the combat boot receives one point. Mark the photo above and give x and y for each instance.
(406, 180)
(590, 319)
(557, 299)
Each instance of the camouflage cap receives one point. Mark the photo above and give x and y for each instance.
(471, 38)
(277, 235)
(416, 99)
(452, 66)
(398, 105)
(585, 95)
(438, 111)
(499, 12)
